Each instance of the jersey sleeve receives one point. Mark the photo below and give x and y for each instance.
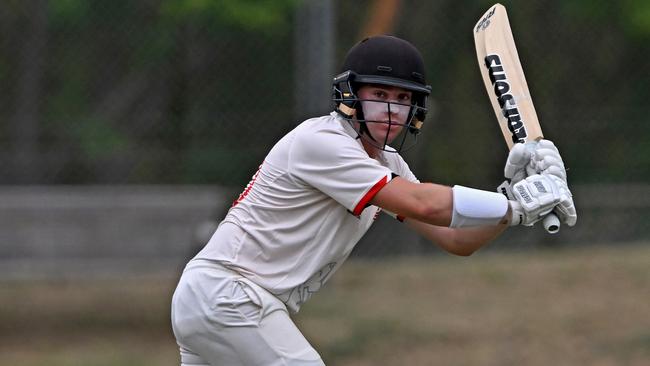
(335, 164)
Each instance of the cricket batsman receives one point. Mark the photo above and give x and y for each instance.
(319, 190)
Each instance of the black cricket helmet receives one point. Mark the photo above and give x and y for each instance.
(382, 60)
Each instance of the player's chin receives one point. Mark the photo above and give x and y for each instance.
(383, 131)
(392, 133)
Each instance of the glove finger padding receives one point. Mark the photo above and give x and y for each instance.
(567, 213)
(566, 209)
(546, 159)
(547, 145)
(518, 159)
(556, 171)
(538, 195)
(548, 165)
(541, 153)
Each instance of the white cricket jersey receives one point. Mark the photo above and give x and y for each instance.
(304, 210)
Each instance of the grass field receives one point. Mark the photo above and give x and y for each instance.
(587, 306)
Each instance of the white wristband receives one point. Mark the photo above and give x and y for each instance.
(474, 207)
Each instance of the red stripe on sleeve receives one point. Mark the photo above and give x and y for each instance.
(368, 196)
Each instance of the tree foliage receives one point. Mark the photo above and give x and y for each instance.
(196, 91)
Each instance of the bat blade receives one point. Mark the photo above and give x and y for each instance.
(506, 85)
(504, 77)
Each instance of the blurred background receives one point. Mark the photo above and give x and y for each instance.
(128, 127)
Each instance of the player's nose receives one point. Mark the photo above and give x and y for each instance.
(395, 108)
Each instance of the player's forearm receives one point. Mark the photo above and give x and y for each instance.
(439, 205)
(461, 241)
(469, 240)
(436, 204)
(425, 202)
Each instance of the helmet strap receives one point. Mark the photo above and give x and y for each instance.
(350, 114)
(346, 111)
(363, 129)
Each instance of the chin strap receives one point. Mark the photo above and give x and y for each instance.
(347, 112)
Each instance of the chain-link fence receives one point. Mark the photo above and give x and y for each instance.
(196, 92)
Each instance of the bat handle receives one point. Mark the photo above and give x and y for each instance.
(551, 223)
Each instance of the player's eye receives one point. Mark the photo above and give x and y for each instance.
(380, 94)
(404, 97)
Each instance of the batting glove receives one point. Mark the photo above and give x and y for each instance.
(538, 195)
(545, 159)
(518, 159)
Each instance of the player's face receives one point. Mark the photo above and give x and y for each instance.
(385, 109)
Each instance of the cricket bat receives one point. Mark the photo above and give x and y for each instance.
(506, 85)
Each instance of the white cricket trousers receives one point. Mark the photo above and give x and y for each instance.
(221, 318)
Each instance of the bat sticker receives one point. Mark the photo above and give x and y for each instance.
(505, 99)
(485, 22)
